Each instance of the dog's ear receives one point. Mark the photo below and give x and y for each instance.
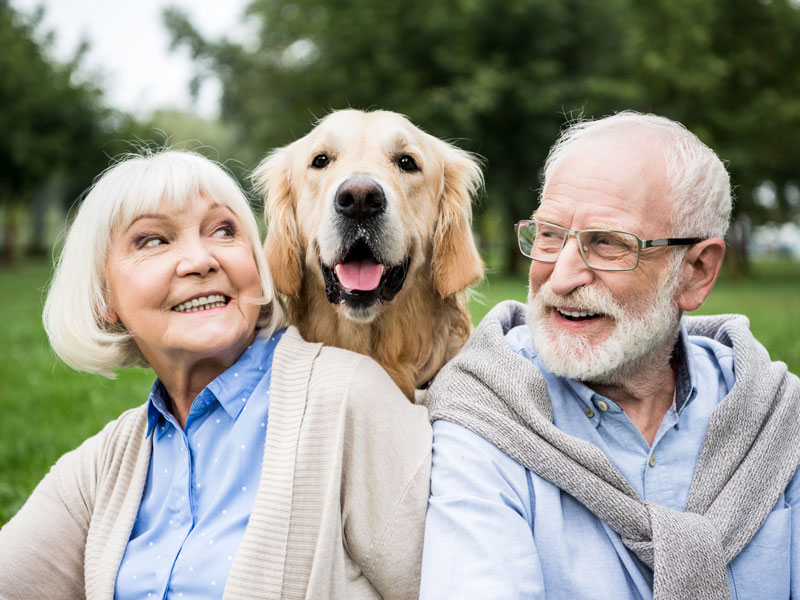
(456, 263)
(282, 246)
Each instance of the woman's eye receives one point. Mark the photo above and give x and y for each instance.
(224, 232)
(151, 242)
(406, 163)
(320, 161)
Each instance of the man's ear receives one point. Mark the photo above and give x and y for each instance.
(701, 266)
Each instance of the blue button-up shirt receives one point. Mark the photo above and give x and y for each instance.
(201, 484)
(496, 530)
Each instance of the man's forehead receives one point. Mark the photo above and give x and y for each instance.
(617, 179)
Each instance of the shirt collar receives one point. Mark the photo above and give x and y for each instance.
(685, 383)
(231, 389)
(157, 408)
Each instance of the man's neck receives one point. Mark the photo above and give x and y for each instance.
(646, 395)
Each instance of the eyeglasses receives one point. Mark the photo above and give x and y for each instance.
(601, 249)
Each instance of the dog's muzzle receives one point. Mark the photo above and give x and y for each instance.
(361, 277)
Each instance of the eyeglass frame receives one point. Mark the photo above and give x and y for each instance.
(640, 243)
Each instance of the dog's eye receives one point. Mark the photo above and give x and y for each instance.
(406, 163)
(320, 161)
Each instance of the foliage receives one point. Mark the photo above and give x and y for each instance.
(505, 75)
(186, 131)
(492, 71)
(730, 71)
(53, 125)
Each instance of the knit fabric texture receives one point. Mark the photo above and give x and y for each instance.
(339, 513)
(749, 455)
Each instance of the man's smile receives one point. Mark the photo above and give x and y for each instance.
(578, 314)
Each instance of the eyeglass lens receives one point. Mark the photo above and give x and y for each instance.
(601, 249)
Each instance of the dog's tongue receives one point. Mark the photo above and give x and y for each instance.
(359, 274)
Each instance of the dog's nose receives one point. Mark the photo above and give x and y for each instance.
(360, 198)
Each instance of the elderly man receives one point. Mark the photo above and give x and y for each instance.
(594, 443)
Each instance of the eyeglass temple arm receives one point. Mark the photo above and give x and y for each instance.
(671, 242)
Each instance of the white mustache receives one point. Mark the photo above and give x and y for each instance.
(590, 299)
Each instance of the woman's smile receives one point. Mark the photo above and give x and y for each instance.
(173, 267)
(202, 303)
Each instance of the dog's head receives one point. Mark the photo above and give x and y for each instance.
(365, 202)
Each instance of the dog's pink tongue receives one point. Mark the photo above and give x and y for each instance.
(359, 274)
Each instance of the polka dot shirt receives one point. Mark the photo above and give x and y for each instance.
(201, 484)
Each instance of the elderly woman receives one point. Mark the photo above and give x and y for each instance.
(261, 466)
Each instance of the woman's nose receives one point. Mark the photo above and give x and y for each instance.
(196, 258)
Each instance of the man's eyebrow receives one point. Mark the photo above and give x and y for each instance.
(545, 219)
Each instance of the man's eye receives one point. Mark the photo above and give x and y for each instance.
(320, 161)
(406, 163)
(609, 239)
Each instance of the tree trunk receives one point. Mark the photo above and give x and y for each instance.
(738, 257)
(10, 229)
(37, 213)
(514, 258)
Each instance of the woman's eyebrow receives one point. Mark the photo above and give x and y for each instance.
(157, 217)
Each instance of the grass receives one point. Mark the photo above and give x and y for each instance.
(48, 409)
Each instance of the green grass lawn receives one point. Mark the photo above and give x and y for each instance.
(48, 409)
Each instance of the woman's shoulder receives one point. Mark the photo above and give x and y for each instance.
(294, 353)
(129, 425)
(344, 377)
(123, 435)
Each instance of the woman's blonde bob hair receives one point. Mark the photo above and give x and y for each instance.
(77, 300)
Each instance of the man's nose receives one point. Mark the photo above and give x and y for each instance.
(570, 270)
(196, 258)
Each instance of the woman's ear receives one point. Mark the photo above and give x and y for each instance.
(701, 266)
(282, 246)
(110, 316)
(456, 263)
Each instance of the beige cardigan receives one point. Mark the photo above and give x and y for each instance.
(339, 512)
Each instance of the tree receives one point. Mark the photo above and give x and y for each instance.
(730, 71)
(50, 123)
(504, 76)
(494, 74)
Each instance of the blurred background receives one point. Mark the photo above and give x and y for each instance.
(82, 81)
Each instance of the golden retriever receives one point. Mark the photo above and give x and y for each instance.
(369, 239)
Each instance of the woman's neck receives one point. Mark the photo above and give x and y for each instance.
(185, 375)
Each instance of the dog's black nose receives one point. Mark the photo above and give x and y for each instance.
(359, 198)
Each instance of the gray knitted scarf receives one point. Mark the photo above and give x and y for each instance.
(750, 452)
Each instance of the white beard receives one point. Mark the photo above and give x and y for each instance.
(639, 335)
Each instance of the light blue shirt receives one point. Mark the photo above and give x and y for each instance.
(496, 530)
(201, 484)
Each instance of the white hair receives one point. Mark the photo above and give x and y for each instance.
(77, 302)
(700, 189)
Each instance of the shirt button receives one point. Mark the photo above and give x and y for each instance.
(589, 412)
(601, 404)
(652, 461)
